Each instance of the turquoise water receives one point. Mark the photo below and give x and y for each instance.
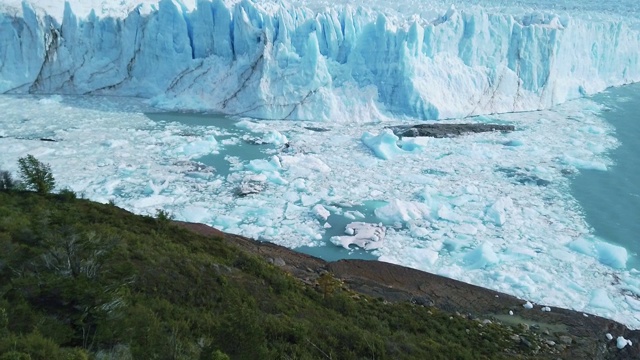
(227, 126)
(611, 199)
(245, 152)
(331, 252)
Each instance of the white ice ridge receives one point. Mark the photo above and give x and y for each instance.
(281, 60)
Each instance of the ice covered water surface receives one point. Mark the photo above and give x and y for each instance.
(491, 209)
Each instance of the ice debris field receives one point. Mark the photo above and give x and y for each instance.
(492, 209)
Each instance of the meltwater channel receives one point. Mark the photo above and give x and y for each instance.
(611, 199)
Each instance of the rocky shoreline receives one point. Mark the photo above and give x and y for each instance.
(565, 334)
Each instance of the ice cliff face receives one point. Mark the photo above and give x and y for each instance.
(273, 60)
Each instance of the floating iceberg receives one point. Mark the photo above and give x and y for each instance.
(365, 235)
(385, 145)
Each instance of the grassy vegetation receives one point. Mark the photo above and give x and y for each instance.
(81, 280)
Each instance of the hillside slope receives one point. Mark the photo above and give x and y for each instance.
(84, 280)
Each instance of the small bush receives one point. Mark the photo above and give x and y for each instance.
(6, 181)
(328, 284)
(219, 355)
(68, 195)
(163, 218)
(15, 355)
(4, 323)
(36, 175)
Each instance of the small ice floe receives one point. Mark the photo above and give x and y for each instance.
(196, 170)
(600, 300)
(481, 257)
(385, 144)
(608, 254)
(546, 309)
(528, 305)
(276, 138)
(252, 184)
(321, 212)
(621, 342)
(353, 215)
(273, 137)
(197, 147)
(496, 213)
(365, 235)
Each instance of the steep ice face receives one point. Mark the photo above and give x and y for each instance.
(280, 61)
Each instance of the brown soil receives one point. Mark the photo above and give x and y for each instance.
(576, 335)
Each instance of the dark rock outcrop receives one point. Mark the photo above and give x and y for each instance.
(446, 130)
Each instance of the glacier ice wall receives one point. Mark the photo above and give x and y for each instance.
(278, 61)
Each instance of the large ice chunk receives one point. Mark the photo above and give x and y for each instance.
(497, 212)
(383, 145)
(612, 255)
(621, 342)
(275, 137)
(365, 235)
(321, 212)
(608, 254)
(481, 257)
(196, 148)
(399, 211)
(600, 299)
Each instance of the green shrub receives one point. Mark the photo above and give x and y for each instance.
(6, 181)
(67, 195)
(36, 175)
(74, 354)
(33, 345)
(163, 218)
(218, 355)
(4, 323)
(15, 355)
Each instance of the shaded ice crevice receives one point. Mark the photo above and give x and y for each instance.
(277, 61)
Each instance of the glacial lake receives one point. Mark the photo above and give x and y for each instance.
(611, 199)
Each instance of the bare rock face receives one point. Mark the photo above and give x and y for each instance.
(446, 130)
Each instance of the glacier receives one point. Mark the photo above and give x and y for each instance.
(278, 60)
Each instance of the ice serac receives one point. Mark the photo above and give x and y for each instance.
(276, 60)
